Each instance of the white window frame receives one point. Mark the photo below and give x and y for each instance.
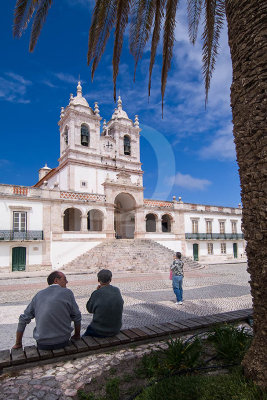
(19, 221)
(210, 248)
(234, 227)
(194, 225)
(208, 226)
(223, 248)
(222, 227)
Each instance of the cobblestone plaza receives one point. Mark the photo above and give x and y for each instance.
(148, 297)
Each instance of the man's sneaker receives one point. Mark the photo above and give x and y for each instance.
(180, 302)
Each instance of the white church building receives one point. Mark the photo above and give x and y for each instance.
(96, 194)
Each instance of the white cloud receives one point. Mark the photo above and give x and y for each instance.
(187, 181)
(222, 146)
(14, 89)
(18, 78)
(68, 78)
(49, 83)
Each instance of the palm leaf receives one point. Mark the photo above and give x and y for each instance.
(102, 22)
(214, 18)
(144, 11)
(168, 41)
(194, 8)
(24, 10)
(160, 4)
(123, 9)
(39, 19)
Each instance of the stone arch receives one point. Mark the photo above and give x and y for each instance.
(85, 135)
(95, 220)
(166, 222)
(124, 216)
(151, 222)
(72, 219)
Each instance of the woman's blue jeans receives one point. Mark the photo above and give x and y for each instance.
(177, 284)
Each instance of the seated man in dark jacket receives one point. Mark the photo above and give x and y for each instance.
(106, 305)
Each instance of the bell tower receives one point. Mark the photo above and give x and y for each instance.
(79, 128)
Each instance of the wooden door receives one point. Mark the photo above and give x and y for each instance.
(18, 258)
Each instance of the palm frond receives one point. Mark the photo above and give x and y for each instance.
(160, 4)
(144, 11)
(39, 19)
(102, 22)
(123, 9)
(168, 41)
(214, 19)
(23, 12)
(194, 8)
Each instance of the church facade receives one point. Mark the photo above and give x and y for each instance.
(96, 194)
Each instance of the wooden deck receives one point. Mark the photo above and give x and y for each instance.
(30, 355)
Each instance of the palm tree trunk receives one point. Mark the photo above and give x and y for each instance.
(247, 31)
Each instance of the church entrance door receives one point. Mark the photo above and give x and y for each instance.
(124, 216)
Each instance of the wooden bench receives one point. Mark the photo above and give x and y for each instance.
(30, 355)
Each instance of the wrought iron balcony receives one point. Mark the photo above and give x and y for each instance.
(214, 236)
(14, 235)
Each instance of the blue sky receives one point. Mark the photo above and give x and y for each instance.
(189, 153)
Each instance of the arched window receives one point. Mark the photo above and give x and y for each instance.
(150, 223)
(66, 135)
(166, 223)
(127, 145)
(72, 219)
(85, 137)
(94, 220)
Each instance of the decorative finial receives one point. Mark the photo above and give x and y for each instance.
(79, 90)
(119, 103)
(104, 125)
(96, 110)
(62, 112)
(71, 98)
(136, 122)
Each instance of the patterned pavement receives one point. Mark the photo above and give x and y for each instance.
(148, 297)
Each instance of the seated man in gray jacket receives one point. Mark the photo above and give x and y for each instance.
(53, 308)
(106, 305)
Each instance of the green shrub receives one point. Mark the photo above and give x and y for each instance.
(230, 343)
(181, 356)
(85, 396)
(177, 358)
(203, 387)
(149, 365)
(113, 389)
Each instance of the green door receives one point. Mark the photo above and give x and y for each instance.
(18, 258)
(235, 249)
(195, 251)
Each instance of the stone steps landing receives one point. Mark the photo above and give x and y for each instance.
(142, 255)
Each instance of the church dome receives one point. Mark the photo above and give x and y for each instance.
(79, 100)
(119, 113)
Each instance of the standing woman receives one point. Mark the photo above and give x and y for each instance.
(177, 277)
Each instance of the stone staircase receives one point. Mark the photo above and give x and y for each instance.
(141, 255)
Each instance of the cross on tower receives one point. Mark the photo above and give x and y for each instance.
(109, 146)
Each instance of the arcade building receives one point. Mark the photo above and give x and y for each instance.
(96, 194)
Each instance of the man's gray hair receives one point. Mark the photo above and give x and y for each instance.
(104, 275)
